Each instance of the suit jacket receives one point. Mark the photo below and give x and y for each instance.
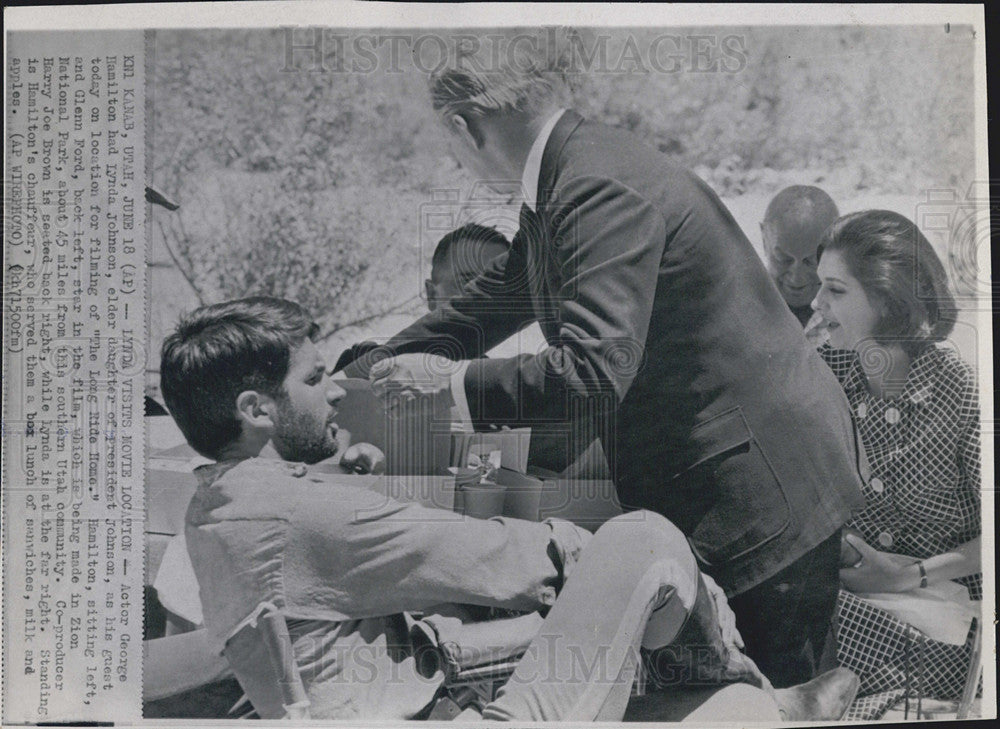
(668, 340)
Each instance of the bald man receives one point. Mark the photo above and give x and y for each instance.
(793, 227)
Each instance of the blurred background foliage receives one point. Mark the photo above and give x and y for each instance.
(308, 182)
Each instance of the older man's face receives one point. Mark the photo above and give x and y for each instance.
(792, 258)
(304, 424)
(484, 162)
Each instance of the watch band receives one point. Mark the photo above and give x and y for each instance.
(923, 574)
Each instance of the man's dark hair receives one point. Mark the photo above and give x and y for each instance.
(466, 252)
(221, 350)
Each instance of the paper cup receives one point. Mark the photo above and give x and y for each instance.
(464, 477)
(482, 500)
(523, 494)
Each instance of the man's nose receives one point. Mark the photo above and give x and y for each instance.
(335, 393)
(800, 274)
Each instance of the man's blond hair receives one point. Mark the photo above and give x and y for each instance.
(469, 87)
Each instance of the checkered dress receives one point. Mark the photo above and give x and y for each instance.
(922, 500)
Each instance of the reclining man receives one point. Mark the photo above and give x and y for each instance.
(347, 567)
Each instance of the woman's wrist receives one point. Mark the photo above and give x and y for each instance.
(910, 577)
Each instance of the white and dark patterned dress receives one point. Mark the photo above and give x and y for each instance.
(923, 499)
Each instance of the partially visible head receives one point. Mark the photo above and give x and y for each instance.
(882, 281)
(476, 98)
(792, 229)
(461, 256)
(238, 374)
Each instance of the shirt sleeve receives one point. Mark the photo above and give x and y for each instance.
(463, 417)
(362, 554)
(490, 308)
(969, 451)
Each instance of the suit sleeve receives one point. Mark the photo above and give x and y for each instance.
(607, 246)
(492, 307)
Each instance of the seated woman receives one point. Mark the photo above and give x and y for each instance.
(885, 303)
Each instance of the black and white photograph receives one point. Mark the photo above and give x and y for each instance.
(498, 363)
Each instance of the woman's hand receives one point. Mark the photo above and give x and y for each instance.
(879, 571)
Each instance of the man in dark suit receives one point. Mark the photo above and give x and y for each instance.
(667, 338)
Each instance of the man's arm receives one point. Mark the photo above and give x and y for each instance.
(372, 555)
(352, 354)
(492, 307)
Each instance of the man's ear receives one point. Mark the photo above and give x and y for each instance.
(430, 294)
(469, 134)
(765, 234)
(254, 409)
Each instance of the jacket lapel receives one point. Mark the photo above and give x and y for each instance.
(561, 132)
(534, 228)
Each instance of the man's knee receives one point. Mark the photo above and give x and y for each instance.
(650, 532)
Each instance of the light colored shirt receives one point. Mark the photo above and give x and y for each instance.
(530, 179)
(346, 565)
(533, 165)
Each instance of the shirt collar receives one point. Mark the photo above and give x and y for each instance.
(208, 473)
(919, 387)
(855, 378)
(533, 165)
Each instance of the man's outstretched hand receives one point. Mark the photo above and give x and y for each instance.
(402, 379)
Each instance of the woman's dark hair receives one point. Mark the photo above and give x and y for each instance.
(900, 273)
(221, 350)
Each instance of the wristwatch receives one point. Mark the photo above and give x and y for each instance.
(923, 574)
